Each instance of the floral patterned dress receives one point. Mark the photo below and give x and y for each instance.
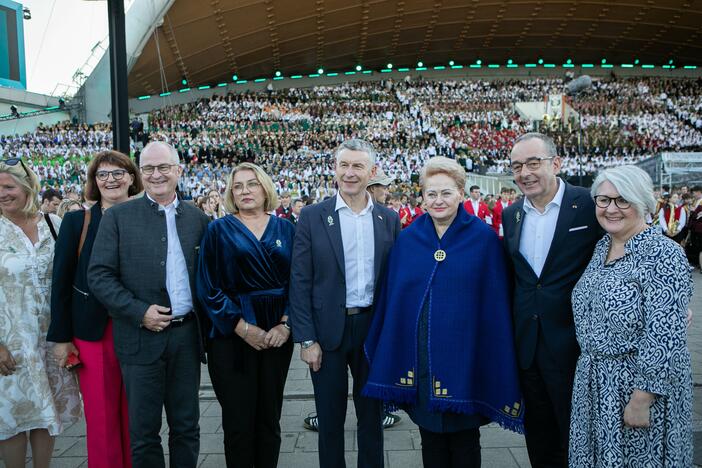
(630, 320)
(39, 395)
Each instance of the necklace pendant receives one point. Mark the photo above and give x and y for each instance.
(440, 255)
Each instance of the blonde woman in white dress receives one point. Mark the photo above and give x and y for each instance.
(37, 398)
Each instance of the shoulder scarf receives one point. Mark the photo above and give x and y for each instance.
(472, 362)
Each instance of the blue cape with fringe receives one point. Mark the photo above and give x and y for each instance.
(471, 350)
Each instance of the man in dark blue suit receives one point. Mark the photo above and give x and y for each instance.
(340, 249)
(550, 236)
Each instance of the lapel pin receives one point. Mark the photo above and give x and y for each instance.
(330, 220)
(278, 243)
(574, 205)
(518, 216)
(380, 217)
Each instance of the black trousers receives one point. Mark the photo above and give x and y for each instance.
(547, 389)
(331, 397)
(173, 381)
(451, 449)
(250, 392)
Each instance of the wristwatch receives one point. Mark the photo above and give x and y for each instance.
(306, 344)
(285, 324)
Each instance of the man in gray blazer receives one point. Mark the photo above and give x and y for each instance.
(340, 249)
(142, 270)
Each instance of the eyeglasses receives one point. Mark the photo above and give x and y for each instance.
(533, 164)
(432, 196)
(250, 186)
(117, 174)
(10, 163)
(603, 201)
(162, 168)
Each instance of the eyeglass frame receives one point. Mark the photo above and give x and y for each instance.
(251, 185)
(609, 202)
(531, 160)
(107, 174)
(16, 160)
(428, 198)
(150, 170)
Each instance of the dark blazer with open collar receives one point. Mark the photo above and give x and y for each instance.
(127, 271)
(75, 313)
(318, 273)
(542, 305)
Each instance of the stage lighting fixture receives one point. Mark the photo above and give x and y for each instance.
(451, 63)
(604, 61)
(235, 77)
(183, 81)
(541, 61)
(478, 62)
(320, 71)
(569, 61)
(510, 62)
(13, 111)
(420, 64)
(278, 73)
(390, 66)
(359, 68)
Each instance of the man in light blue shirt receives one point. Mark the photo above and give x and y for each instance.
(341, 246)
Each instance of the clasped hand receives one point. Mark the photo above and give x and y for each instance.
(259, 339)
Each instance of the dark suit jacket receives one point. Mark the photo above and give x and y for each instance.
(127, 271)
(318, 272)
(542, 305)
(74, 310)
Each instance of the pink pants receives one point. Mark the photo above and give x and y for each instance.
(105, 403)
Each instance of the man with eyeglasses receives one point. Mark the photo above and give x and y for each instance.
(142, 269)
(550, 235)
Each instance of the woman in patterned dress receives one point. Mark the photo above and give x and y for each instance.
(632, 399)
(38, 398)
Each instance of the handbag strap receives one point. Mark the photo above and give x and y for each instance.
(84, 232)
(51, 226)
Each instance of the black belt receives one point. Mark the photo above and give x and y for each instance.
(182, 319)
(357, 310)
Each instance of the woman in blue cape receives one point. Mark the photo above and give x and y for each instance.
(242, 284)
(441, 344)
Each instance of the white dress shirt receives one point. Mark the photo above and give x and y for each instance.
(177, 278)
(359, 252)
(538, 230)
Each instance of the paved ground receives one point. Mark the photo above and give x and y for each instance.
(501, 449)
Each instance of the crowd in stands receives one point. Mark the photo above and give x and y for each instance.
(291, 133)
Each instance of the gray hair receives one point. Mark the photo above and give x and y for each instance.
(633, 184)
(545, 139)
(163, 145)
(356, 144)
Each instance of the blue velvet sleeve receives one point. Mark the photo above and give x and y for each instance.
(222, 310)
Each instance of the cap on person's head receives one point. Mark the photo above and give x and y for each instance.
(380, 178)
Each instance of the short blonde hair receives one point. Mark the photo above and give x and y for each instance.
(29, 182)
(442, 165)
(263, 178)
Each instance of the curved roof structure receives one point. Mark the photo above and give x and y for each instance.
(205, 42)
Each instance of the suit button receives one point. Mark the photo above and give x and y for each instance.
(163, 239)
(535, 317)
(163, 263)
(538, 285)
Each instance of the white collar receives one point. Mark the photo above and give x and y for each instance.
(173, 204)
(341, 203)
(557, 200)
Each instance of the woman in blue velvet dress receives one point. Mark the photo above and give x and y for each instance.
(242, 284)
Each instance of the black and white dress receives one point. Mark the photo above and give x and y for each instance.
(630, 320)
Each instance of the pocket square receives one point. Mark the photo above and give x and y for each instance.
(579, 228)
